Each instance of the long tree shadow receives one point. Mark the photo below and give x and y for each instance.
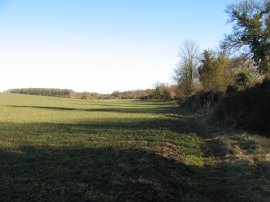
(93, 127)
(164, 109)
(32, 173)
(92, 174)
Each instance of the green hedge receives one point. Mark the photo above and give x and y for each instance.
(248, 109)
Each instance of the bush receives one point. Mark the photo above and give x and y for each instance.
(243, 81)
(202, 100)
(248, 109)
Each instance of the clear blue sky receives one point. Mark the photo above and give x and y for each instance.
(101, 45)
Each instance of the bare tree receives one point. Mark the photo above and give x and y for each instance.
(187, 70)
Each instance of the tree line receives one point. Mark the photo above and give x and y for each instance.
(242, 60)
(234, 80)
(161, 91)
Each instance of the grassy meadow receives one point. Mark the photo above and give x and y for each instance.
(57, 149)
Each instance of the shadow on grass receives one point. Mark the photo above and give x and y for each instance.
(79, 173)
(91, 174)
(164, 109)
(179, 126)
(109, 174)
(151, 102)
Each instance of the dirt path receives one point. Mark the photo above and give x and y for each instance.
(236, 165)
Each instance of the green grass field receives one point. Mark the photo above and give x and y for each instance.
(56, 149)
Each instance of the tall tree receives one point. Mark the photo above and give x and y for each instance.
(186, 72)
(251, 31)
(207, 71)
(213, 72)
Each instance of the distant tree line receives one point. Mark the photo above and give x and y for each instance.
(160, 92)
(43, 91)
(133, 94)
(55, 92)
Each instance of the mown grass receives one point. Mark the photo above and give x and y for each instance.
(56, 149)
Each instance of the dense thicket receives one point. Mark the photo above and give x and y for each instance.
(202, 100)
(247, 109)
